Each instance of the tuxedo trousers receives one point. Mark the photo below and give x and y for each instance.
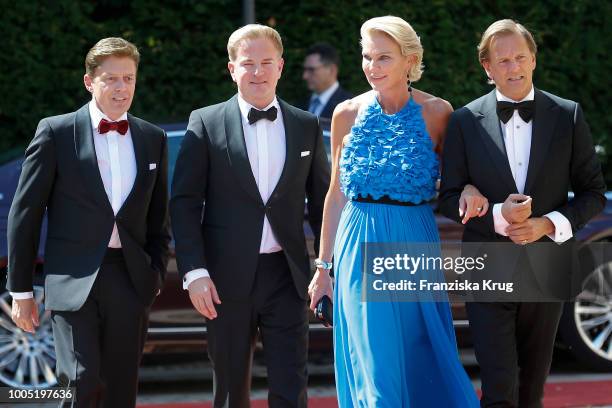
(514, 344)
(275, 312)
(99, 346)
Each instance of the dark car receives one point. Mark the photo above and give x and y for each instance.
(28, 361)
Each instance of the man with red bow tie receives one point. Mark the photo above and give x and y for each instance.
(101, 176)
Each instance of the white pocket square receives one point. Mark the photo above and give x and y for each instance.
(304, 154)
(152, 166)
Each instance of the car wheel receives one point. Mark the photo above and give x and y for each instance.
(26, 360)
(586, 324)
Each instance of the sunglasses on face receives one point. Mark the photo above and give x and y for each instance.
(310, 70)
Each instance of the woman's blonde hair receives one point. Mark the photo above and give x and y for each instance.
(403, 34)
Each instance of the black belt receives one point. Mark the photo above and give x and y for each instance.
(113, 255)
(272, 255)
(384, 200)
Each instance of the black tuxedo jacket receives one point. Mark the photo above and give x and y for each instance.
(216, 209)
(562, 157)
(60, 174)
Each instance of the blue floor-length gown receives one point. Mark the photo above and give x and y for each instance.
(395, 353)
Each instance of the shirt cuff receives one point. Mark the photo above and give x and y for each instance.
(499, 221)
(22, 295)
(563, 228)
(193, 275)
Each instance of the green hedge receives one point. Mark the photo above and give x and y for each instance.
(184, 59)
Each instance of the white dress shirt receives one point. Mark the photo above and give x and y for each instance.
(116, 162)
(517, 139)
(265, 143)
(117, 165)
(324, 97)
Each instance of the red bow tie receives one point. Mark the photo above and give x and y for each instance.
(120, 126)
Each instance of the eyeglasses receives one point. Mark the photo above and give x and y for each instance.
(310, 70)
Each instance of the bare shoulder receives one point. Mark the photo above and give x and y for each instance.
(434, 108)
(345, 115)
(436, 112)
(346, 111)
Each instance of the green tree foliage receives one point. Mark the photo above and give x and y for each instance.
(184, 60)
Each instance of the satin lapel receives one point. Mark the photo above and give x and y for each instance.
(236, 146)
(292, 154)
(491, 134)
(86, 155)
(140, 153)
(542, 131)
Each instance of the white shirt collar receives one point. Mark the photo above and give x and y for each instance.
(245, 107)
(97, 115)
(501, 97)
(326, 95)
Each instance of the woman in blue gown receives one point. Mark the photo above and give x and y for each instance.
(384, 143)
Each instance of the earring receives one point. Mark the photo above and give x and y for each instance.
(409, 85)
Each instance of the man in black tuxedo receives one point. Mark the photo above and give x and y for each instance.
(321, 76)
(242, 175)
(523, 149)
(101, 175)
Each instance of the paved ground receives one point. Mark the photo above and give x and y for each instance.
(557, 395)
(188, 386)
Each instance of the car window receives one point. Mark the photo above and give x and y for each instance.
(174, 143)
(326, 128)
(12, 154)
(327, 143)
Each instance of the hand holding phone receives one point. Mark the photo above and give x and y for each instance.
(324, 311)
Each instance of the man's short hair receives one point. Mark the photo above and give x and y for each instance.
(503, 28)
(251, 32)
(109, 47)
(327, 53)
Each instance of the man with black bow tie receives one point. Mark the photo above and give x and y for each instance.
(242, 175)
(523, 149)
(101, 175)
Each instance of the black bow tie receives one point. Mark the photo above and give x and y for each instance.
(254, 115)
(506, 109)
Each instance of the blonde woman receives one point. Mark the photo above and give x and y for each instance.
(385, 144)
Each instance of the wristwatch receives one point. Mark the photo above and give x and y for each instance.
(319, 263)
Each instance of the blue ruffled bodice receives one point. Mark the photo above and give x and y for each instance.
(389, 155)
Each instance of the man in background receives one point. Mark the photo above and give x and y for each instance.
(321, 76)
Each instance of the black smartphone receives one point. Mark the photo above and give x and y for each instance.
(324, 311)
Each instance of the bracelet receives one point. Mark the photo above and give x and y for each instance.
(319, 263)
